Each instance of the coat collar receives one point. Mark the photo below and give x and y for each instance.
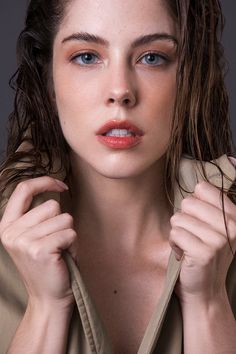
(189, 175)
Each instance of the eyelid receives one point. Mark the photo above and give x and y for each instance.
(160, 54)
(75, 55)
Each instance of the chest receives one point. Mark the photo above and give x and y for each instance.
(125, 297)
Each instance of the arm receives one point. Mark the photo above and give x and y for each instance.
(209, 327)
(35, 240)
(198, 236)
(43, 329)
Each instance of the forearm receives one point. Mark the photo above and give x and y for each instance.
(209, 328)
(43, 330)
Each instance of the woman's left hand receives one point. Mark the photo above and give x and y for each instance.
(199, 235)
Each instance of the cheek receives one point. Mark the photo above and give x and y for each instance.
(162, 102)
(159, 87)
(162, 99)
(72, 100)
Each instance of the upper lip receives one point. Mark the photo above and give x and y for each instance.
(118, 124)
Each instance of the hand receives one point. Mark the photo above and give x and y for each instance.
(198, 234)
(35, 241)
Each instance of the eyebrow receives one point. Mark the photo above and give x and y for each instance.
(141, 40)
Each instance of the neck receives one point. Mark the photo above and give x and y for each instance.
(120, 212)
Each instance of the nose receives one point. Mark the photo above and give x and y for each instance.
(121, 89)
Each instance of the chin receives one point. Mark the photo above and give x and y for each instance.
(117, 166)
(123, 170)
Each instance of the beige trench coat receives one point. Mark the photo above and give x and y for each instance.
(87, 334)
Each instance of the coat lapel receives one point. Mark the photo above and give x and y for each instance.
(95, 339)
(189, 175)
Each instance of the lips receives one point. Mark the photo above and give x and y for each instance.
(116, 124)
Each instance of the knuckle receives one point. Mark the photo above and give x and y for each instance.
(6, 237)
(68, 219)
(186, 203)
(1, 228)
(231, 226)
(176, 234)
(72, 233)
(174, 218)
(20, 244)
(53, 206)
(219, 244)
(35, 252)
(200, 187)
(172, 236)
(173, 233)
(48, 179)
(23, 187)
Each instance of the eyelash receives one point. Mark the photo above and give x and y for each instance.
(164, 58)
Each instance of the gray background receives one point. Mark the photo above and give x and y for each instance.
(12, 13)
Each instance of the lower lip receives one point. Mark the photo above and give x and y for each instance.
(120, 143)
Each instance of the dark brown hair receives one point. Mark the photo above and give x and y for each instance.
(200, 126)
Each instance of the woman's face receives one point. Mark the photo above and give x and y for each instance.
(116, 77)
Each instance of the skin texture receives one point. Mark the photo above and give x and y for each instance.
(35, 239)
(119, 86)
(198, 234)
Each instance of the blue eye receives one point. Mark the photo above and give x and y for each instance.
(154, 59)
(88, 58)
(84, 58)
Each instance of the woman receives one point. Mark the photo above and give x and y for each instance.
(125, 103)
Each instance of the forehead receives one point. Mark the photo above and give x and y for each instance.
(116, 19)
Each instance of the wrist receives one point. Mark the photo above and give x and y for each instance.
(205, 300)
(43, 308)
(43, 329)
(209, 324)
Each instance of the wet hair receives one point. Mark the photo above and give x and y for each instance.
(200, 128)
(201, 125)
(34, 119)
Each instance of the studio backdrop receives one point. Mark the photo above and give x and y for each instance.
(12, 13)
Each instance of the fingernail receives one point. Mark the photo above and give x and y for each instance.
(61, 184)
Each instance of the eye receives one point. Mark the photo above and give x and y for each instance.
(86, 58)
(154, 59)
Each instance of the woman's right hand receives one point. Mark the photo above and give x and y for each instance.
(36, 238)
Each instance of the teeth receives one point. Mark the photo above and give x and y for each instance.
(119, 132)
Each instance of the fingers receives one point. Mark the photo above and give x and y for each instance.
(210, 194)
(210, 216)
(23, 194)
(55, 243)
(201, 223)
(200, 230)
(36, 239)
(51, 226)
(184, 242)
(42, 212)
